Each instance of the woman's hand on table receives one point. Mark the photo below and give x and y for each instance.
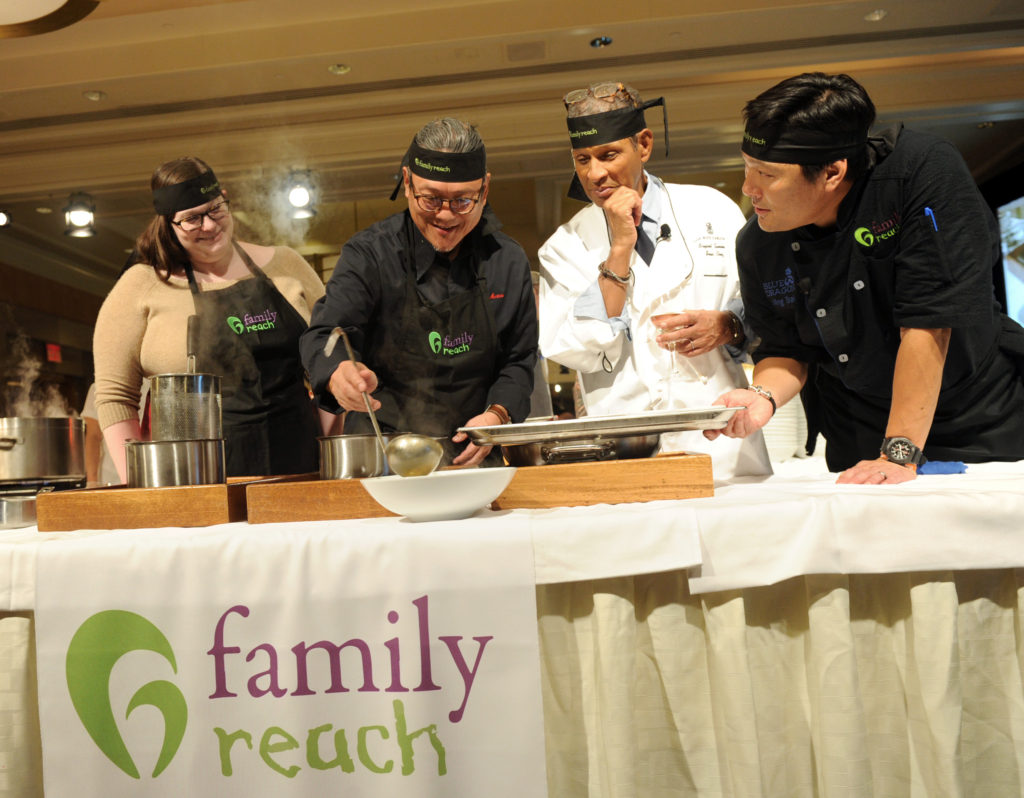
(349, 381)
(877, 472)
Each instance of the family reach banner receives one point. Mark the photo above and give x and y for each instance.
(372, 658)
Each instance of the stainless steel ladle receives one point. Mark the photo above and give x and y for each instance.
(409, 454)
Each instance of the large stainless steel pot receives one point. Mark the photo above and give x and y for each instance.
(627, 447)
(42, 449)
(160, 464)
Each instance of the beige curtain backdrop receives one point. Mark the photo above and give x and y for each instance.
(21, 764)
(831, 686)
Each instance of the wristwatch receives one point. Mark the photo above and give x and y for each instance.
(902, 451)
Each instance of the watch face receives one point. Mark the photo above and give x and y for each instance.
(899, 450)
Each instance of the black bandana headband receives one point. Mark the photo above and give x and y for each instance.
(594, 130)
(608, 126)
(445, 167)
(801, 146)
(191, 193)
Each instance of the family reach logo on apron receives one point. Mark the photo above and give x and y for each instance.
(449, 345)
(251, 322)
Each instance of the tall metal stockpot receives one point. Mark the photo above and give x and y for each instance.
(185, 407)
(42, 449)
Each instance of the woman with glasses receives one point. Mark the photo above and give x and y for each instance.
(252, 303)
(438, 305)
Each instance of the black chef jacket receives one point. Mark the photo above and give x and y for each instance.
(915, 245)
(367, 291)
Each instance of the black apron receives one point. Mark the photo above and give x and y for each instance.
(249, 335)
(436, 368)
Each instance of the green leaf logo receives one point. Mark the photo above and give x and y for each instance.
(435, 342)
(94, 650)
(863, 237)
(236, 324)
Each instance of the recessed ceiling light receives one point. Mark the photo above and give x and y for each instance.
(985, 125)
(44, 209)
(601, 41)
(876, 16)
(5, 219)
(95, 95)
(339, 69)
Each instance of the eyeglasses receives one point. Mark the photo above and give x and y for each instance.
(195, 221)
(458, 205)
(599, 91)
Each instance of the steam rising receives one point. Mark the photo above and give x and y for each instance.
(23, 395)
(262, 211)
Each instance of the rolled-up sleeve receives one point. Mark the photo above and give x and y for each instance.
(575, 330)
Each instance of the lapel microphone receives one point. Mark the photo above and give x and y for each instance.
(666, 234)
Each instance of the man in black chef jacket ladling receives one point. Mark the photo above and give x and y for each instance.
(437, 303)
(867, 273)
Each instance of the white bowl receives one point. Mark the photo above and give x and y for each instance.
(441, 496)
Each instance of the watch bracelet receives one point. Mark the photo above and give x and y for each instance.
(604, 271)
(760, 391)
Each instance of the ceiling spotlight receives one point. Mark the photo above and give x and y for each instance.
(876, 16)
(5, 219)
(95, 95)
(601, 41)
(79, 215)
(301, 194)
(339, 69)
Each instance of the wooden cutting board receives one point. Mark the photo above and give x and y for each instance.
(122, 507)
(313, 500)
(140, 508)
(676, 476)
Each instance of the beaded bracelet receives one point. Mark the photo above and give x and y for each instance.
(500, 412)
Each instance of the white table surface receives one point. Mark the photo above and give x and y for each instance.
(751, 532)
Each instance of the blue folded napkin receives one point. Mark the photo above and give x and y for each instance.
(941, 467)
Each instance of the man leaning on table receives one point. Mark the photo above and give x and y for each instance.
(642, 248)
(867, 274)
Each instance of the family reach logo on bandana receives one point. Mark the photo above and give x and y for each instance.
(100, 642)
(449, 345)
(252, 322)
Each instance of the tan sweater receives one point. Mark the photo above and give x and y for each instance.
(140, 330)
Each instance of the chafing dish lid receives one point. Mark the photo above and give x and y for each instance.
(656, 421)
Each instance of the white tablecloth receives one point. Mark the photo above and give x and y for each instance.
(786, 637)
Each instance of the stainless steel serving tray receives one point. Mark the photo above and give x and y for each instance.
(544, 431)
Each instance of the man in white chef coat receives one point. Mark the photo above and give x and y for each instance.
(643, 248)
